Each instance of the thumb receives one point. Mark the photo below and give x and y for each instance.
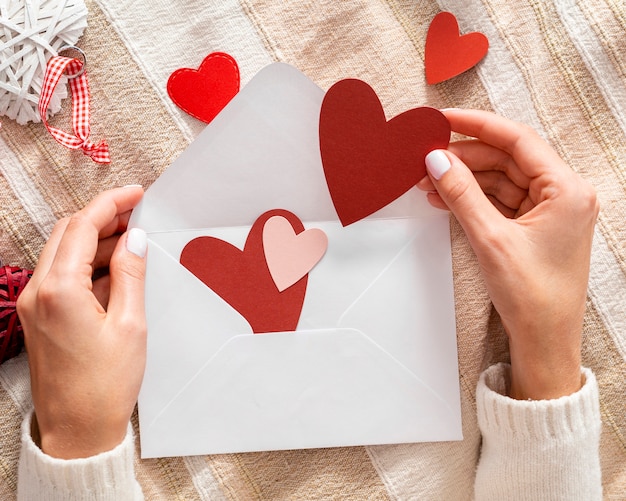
(456, 185)
(127, 270)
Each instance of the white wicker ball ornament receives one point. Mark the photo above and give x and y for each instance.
(31, 32)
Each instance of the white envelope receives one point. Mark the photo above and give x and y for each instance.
(373, 359)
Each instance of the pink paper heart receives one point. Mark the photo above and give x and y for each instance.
(289, 256)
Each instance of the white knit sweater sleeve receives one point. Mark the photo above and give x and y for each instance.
(106, 476)
(537, 450)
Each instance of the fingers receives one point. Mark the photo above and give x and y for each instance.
(529, 151)
(102, 290)
(105, 215)
(505, 195)
(110, 210)
(505, 210)
(499, 187)
(127, 275)
(461, 193)
(106, 246)
(482, 157)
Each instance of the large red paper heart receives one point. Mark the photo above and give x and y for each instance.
(243, 280)
(448, 53)
(369, 162)
(204, 92)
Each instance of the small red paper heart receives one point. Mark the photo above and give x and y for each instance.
(448, 53)
(369, 162)
(243, 280)
(204, 92)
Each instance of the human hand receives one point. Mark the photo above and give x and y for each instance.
(86, 339)
(530, 220)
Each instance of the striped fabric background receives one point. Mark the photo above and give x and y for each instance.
(557, 65)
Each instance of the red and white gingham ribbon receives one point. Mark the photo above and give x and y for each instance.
(80, 108)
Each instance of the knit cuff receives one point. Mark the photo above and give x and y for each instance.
(543, 419)
(106, 476)
(545, 448)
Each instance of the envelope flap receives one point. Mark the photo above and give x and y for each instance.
(261, 152)
(265, 142)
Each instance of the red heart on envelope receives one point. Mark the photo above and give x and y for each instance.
(204, 92)
(369, 162)
(448, 53)
(243, 280)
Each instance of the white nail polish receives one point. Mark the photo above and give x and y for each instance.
(437, 164)
(133, 186)
(137, 242)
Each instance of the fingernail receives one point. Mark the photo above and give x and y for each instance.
(437, 164)
(449, 109)
(137, 242)
(133, 186)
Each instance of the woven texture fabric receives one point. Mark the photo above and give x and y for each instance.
(557, 65)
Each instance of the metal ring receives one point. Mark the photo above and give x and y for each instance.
(82, 56)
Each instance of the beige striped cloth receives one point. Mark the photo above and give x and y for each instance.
(557, 65)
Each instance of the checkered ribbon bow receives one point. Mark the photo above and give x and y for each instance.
(80, 108)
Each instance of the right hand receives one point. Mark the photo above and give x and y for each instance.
(530, 220)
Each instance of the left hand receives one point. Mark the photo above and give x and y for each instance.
(86, 339)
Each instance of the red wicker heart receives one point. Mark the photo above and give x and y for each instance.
(12, 282)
